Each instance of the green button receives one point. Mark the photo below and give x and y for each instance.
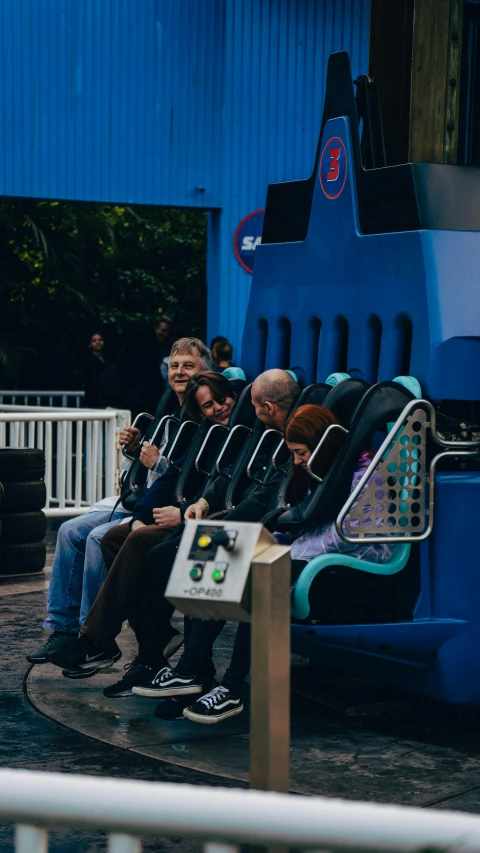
(218, 576)
(196, 573)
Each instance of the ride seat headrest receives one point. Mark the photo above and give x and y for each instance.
(411, 384)
(234, 373)
(312, 395)
(335, 378)
(344, 398)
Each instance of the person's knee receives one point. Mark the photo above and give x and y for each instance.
(71, 531)
(108, 538)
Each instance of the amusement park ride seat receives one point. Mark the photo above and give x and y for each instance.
(380, 293)
(398, 561)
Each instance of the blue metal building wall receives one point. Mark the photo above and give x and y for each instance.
(175, 102)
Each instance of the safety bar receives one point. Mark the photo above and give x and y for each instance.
(225, 446)
(255, 452)
(471, 450)
(177, 438)
(157, 435)
(275, 456)
(320, 445)
(139, 417)
(204, 445)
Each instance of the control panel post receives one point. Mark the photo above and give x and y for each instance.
(270, 671)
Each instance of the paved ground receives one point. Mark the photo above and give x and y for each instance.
(349, 738)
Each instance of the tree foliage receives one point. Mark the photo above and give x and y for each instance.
(68, 270)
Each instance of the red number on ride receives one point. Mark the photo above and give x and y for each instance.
(332, 175)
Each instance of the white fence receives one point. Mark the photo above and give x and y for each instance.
(221, 818)
(43, 398)
(81, 451)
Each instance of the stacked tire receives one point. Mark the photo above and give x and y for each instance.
(23, 524)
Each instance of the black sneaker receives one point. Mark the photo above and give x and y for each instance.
(214, 707)
(168, 683)
(86, 656)
(173, 707)
(174, 643)
(136, 675)
(57, 640)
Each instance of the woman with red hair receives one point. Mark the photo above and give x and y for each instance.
(303, 431)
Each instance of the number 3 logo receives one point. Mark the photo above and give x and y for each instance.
(332, 175)
(333, 168)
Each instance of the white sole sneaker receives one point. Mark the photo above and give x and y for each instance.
(150, 692)
(200, 718)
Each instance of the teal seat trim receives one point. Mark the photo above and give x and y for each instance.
(335, 378)
(411, 384)
(292, 373)
(234, 373)
(300, 604)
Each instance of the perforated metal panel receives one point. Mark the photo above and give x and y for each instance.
(394, 500)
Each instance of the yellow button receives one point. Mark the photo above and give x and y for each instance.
(204, 541)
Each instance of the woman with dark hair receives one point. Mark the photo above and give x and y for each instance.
(209, 394)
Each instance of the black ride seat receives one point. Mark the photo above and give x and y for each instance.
(381, 404)
(342, 400)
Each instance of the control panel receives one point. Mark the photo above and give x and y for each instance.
(211, 574)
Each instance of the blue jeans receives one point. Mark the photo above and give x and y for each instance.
(78, 569)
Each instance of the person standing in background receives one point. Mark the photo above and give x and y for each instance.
(163, 333)
(224, 353)
(95, 365)
(213, 347)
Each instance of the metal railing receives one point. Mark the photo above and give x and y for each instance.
(64, 399)
(221, 818)
(81, 447)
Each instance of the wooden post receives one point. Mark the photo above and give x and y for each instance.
(270, 671)
(415, 56)
(454, 59)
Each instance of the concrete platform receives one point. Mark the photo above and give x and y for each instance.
(328, 757)
(349, 738)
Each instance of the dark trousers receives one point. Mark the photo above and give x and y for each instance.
(130, 589)
(197, 658)
(198, 651)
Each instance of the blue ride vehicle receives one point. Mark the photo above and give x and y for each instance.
(377, 272)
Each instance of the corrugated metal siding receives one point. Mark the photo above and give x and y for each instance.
(175, 102)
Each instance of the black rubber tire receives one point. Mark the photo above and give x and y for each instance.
(23, 497)
(21, 464)
(20, 527)
(23, 559)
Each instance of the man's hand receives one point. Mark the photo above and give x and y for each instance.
(149, 454)
(197, 510)
(129, 437)
(137, 524)
(167, 516)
